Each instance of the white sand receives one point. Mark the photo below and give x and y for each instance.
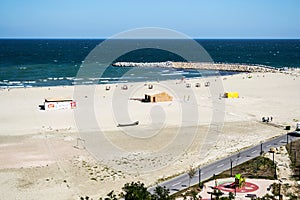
(36, 147)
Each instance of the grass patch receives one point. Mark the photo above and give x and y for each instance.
(259, 167)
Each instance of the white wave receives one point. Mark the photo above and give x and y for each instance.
(108, 78)
(118, 82)
(14, 82)
(175, 74)
(94, 79)
(4, 83)
(16, 86)
(78, 79)
(29, 82)
(87, 82)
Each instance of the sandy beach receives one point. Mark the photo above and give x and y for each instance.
(65, 154)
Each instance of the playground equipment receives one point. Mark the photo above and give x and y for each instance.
(239, 185)
(239, 180)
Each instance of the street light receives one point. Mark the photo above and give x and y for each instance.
(272, 150)
(200, 185)
(231, 167)
(287, 128)
(279, 192)
(261, 148)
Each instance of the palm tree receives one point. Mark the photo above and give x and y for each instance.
(191, 173)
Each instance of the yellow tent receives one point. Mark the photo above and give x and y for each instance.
(158, 97)
(231, 95)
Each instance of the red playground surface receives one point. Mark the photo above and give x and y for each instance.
(246, 188)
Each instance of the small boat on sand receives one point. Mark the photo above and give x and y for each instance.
(129, 124)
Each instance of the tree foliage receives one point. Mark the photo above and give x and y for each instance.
(135, 191)
(161, 193)
(138, 191)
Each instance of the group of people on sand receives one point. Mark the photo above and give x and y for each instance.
(267, 119)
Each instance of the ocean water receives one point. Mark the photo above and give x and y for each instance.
(52, 62)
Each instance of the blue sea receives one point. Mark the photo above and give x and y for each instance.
(53, 62)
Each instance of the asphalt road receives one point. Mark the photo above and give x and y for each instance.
(182, 181)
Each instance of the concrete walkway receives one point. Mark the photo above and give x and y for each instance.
(283, 170)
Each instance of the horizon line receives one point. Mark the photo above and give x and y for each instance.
(195, 38)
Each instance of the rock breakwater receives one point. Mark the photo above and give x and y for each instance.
(200, 66)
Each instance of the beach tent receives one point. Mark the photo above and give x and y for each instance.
(59, 103)
(158, 97)
(231, 95)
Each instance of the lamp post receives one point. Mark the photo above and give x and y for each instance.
(279, 192)
(272, 150)
(287, 128)
(261, 148)
(200, 178)
(234, 189)
(231, 167)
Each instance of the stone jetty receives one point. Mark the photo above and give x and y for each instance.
(200, 66)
